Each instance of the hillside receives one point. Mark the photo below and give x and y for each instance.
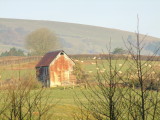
(75, 38)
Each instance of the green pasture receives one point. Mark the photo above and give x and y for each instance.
(64, 99)
(89, 66)
(7, 74)
(66, 105)
(92, 66)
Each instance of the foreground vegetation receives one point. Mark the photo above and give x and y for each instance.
(66, 105)
(56, 103)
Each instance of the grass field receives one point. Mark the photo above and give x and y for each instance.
(64, 98)
(63, 101)
(66, 106)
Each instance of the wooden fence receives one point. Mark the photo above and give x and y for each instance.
(19, 60)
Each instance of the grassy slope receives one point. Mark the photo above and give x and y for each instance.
(75, 38)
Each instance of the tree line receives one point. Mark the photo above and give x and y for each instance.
(13, 52)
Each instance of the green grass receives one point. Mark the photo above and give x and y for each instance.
(65, 99)
(15, 74)
(66, 105)
(91, 66)
(102, 64)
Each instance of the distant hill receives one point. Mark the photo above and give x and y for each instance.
(75, 38)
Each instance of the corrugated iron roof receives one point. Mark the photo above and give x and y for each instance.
(48, 58)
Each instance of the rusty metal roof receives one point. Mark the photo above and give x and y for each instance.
(48, 58)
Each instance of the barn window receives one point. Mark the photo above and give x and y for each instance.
(61, 53)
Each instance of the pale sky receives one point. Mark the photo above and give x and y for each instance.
(118, 14)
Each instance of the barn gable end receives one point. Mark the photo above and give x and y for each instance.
(61, 70)
(57, 69)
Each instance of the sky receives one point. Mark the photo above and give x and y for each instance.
(117, 14)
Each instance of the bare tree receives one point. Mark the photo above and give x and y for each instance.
(23, 101)
(139, 100)
(104, 96)
(142, 100)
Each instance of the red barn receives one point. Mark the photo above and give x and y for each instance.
(55, 69)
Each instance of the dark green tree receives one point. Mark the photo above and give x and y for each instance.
(119, 51)
(13, 52)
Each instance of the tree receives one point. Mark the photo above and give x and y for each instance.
(142, 103)
(108, 101)
(104, 97)
(119, 51)
(41, 41)
(13, 52)
(25, 99)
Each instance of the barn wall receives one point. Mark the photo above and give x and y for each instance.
(60, 70)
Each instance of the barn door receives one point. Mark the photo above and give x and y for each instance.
(46, 77)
